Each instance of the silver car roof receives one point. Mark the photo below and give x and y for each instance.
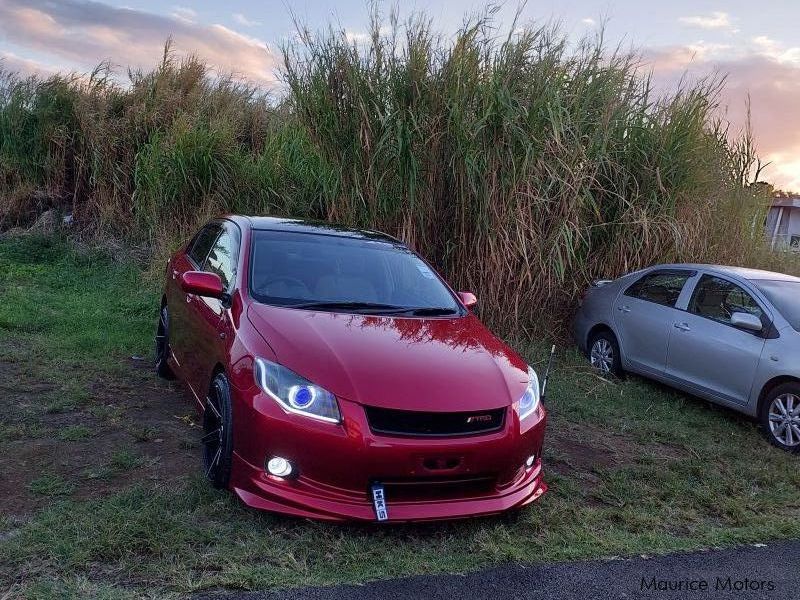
(744, 273)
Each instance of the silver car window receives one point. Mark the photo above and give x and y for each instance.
(717, 299)
(661, 287)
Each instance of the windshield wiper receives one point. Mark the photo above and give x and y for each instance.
(378, 308)
(351, 305)
(429, 311)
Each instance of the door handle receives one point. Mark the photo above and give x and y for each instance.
(682, 326)
(624, 309)
(188, 297)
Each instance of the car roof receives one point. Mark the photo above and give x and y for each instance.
(310, 226)
(742, 272)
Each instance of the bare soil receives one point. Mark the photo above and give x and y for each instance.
(137, 428)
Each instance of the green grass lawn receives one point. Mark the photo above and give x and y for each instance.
(107, 500)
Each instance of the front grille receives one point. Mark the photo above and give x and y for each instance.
(450, 488)
(407, 422)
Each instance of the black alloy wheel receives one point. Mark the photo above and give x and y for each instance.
(217, 437)
(162, 345)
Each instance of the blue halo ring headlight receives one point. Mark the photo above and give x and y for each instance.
(529, 401)
(301, 396)
(294, 394)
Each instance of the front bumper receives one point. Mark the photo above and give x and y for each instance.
(337, 465)
(258, 493)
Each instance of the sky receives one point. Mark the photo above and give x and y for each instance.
(756, 43)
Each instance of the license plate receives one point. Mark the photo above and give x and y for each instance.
(379, 502)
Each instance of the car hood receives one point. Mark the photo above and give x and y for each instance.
(429, 364)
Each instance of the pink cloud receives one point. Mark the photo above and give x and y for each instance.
(12, 63)
(770, 79)
(91, 32)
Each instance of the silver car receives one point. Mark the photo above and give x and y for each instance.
(727, 334)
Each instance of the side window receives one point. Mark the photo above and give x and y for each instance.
(222, 258)
(717, 299)
(662, 287)
(202, 243)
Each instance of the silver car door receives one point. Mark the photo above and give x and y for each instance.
(706, 352)
(643, 315)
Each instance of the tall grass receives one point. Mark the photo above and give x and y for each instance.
(521, 165)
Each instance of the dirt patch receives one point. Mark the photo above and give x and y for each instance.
(574, 455)
(587, 454)
(582, 447)
(132, 428)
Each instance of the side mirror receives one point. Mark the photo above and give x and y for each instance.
(468, 299)
(202, 283)
(746, 321)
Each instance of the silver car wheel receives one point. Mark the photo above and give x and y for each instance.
(602, 356)
(784, 419)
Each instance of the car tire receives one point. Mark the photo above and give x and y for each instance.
(779, 410)
(217, 437)
(163, 351)
(604, 354)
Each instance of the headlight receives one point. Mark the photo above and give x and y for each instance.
(295, 394)
(530, 399)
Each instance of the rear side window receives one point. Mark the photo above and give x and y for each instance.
(663, 287)
(202, 243)
(717, 299)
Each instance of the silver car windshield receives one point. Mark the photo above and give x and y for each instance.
(785, 296)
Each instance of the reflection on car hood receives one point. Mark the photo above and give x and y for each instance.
(403, 363)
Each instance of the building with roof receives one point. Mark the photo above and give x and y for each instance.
(783, 224)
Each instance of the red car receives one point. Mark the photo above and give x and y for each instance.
(339, 377)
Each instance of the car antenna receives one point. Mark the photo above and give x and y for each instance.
(547, 373)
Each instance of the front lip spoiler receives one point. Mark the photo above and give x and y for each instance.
(257, 493)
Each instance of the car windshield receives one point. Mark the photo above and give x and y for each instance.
(328, 272)
(785, 295)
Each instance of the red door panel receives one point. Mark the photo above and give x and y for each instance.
(209, 340)
(177, 304)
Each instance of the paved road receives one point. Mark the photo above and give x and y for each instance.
(769, 572)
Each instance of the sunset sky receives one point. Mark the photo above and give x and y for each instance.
(756, 43)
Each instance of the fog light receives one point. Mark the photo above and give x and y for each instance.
(279, 467)
(529, 462)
